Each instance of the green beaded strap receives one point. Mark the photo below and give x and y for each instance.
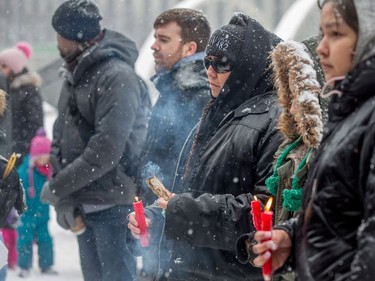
(292, 198)
(273, 181)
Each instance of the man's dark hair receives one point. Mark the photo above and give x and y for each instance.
(194, 25)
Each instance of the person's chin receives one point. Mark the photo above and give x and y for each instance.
(215, 93)
(328, 76)
(160, 68)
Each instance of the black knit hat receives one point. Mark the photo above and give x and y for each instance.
(227, 41)
(77, 20)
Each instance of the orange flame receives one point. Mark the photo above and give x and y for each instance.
(268, 205)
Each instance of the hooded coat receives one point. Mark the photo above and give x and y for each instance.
(101, 127)
(296, 81)
(27, 110)
(334, 235)
(232, 156)
(184, 91)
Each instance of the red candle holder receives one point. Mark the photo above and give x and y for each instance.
(141, 220)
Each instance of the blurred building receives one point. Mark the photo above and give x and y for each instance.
(30, 20)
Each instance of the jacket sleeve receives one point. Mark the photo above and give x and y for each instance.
(115, 113)
(362, 267)
(289, 227)
(213, 221)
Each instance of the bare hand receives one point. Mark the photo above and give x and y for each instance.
(133, 225)
(162, 203)
(280, 246)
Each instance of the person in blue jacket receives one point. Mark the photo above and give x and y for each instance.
(34, 171)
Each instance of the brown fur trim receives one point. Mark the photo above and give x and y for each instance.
(295, 79)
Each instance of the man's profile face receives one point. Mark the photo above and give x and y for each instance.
(66, 47)
(168, 47)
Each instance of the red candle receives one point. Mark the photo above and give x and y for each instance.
(141, 220)
(256, 211)
(267, 218)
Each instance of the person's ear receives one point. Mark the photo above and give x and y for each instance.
(189, 48)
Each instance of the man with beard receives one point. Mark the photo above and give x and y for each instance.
(98, 138)
(181, 36)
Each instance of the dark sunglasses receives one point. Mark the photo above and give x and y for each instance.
(220, 65)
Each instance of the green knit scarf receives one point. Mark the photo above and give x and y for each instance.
(292, 198)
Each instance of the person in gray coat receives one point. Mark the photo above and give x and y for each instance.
(98, 139)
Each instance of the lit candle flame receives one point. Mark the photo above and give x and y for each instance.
(136, 199)
(268, 205)
(255, 198)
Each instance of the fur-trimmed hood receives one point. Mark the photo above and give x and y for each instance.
(26, 79)
(295, 78)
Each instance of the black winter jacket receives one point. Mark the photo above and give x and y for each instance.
(335, 236)
(233, 156)
(237, 160)
(101, 128)
(27, 110)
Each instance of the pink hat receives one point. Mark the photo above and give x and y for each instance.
(16, 57)
(40, 144)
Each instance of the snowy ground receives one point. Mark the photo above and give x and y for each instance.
(66, 257)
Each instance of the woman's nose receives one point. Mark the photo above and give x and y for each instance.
(211, 72)
(322, 49)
